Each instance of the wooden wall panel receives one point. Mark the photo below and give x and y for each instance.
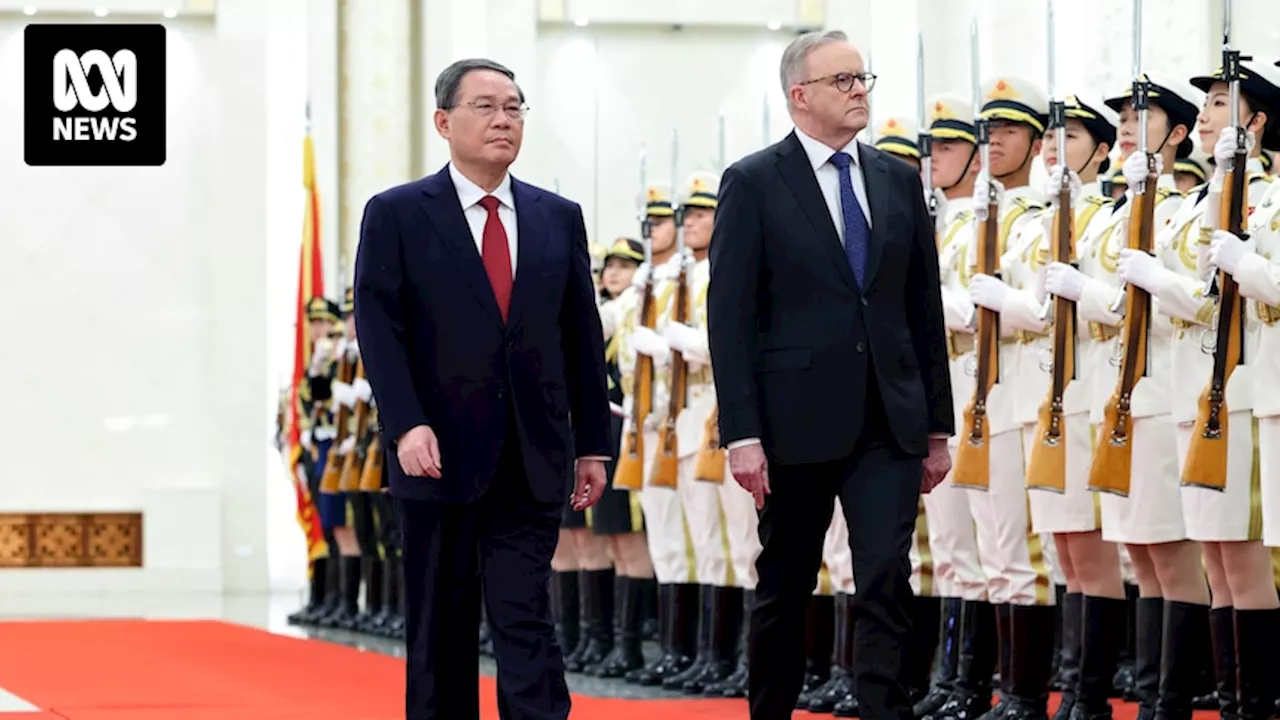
(70, 540)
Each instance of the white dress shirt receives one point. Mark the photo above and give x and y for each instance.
(470, 195)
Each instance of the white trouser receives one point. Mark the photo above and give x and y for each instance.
(705, 524)
(1076, 509)
(664, 526)
(1225, 515)
(1012, 556)
(1269, 469)
(953, 542)
(1152, 513)
(837, 554)
(741, 529)
(924, 576)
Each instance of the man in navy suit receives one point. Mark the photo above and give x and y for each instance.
(483, 346)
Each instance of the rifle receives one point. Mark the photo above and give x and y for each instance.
(973, 456)
(1113, 457)
(353, 463)
(331, 481)
(1047, 467)
(628, 474)
(666, 460)
(1206, 465)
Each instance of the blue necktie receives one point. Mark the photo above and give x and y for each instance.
(856, 231)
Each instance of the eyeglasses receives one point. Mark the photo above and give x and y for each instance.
(485, 108)
(844, 81)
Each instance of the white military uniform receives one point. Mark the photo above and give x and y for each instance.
(1210, 515)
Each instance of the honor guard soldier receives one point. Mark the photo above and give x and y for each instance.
(992, 467)
(897, 136)
(967, 626)
(1251, 264)
(1054, 411)
(1116, 184)
(1190, 173)
(618, 518)
(634, 318)
(1238, 567)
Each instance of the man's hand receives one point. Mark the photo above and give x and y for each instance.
(590, 484)
(419, 452)
(936, 466)
(751, 470)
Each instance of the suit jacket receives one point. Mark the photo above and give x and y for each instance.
(437, 352)
(793, 336)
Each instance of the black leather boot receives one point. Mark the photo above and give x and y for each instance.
(564, 605)
(315, 594)
(628, 616)
(678, 625)
(820, 638)
(344, 615)
(1103, 635)
(1184, 642)
(725, 621)
(595, 641)
(1222, 635)
(665, 598)
(1004, 638)
(1059, 603)
(390, 590)
(735, 686)
(1257, 634)
(925, 614)
(949, 641)
(1030, 663)
(1122, 681)
(971, 696)
(371, 578)
(1148, 632)
(332, 588)
(1068, 674)
(701, 641)
(840, 685)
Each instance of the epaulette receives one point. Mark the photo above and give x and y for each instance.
(1027, 205)
(1255, 176)
(1163, 193)
(1099, 200)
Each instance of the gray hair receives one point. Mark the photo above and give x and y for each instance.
(449, 82)
(796, 56)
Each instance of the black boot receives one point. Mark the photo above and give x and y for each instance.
(1184, 642)
(332, 588)
(1031, 662)
(1257, 633)
(1148, 632)
(726, 621)
(1004, 638)
(371, 578)
(1103, 635)
(315, 594)
(649, 625)
(925, 615)
(390, 596)
(701, 638)
(565, 604)
(820, 638)
(1122, 682)
(595, 588)
(1068, 674)
(1060, 605)
(1222, 635)
(945, 677)
(735, 686)
(840, 685)
(679, 608)
(628, 615)
(344, 615)
(396, 628)
(979, 652)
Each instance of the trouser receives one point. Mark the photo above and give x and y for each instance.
(1269, 469)
(704, 521)
(953, 542)
(664, 527)
(741, 529)
(837, 555)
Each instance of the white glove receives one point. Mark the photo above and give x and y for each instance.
(940, 200)
(647, 342)
(343, 394)
(321, 354)
(617, 409)
(1227, 250)
(353, 349)
(680, 337)
(362, 389)
(988, 291)
(1224, 152)
(1135, 171)
(641, 276)
(305, 439)
(1063, 280)
(982, 188)
(347, 445)
(1140, 268)
(1054, 184)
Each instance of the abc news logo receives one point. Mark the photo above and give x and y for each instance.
(107, 105)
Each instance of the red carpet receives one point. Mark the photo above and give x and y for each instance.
(140, 670)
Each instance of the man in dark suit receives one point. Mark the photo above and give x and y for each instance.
(483, 347)
(827, 343)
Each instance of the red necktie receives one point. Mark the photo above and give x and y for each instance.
(496, 255)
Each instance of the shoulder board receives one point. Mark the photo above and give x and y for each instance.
(1258, 177)
(1166, 193)
(1026, 204)
(1099, 200)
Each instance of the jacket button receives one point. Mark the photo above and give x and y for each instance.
(861, 348)
(864, 302)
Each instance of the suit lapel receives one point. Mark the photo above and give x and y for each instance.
(876, 177)
(531, 244)
(798, 174)
(444, 212)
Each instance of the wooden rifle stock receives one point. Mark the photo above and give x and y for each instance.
(331, 480)
(709, 466)
(371, 473)
(1206, 465)
(353, 462)
(973, 456)
(1113, 455)
(629, 472)
(666, 460)
(1047, 467)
